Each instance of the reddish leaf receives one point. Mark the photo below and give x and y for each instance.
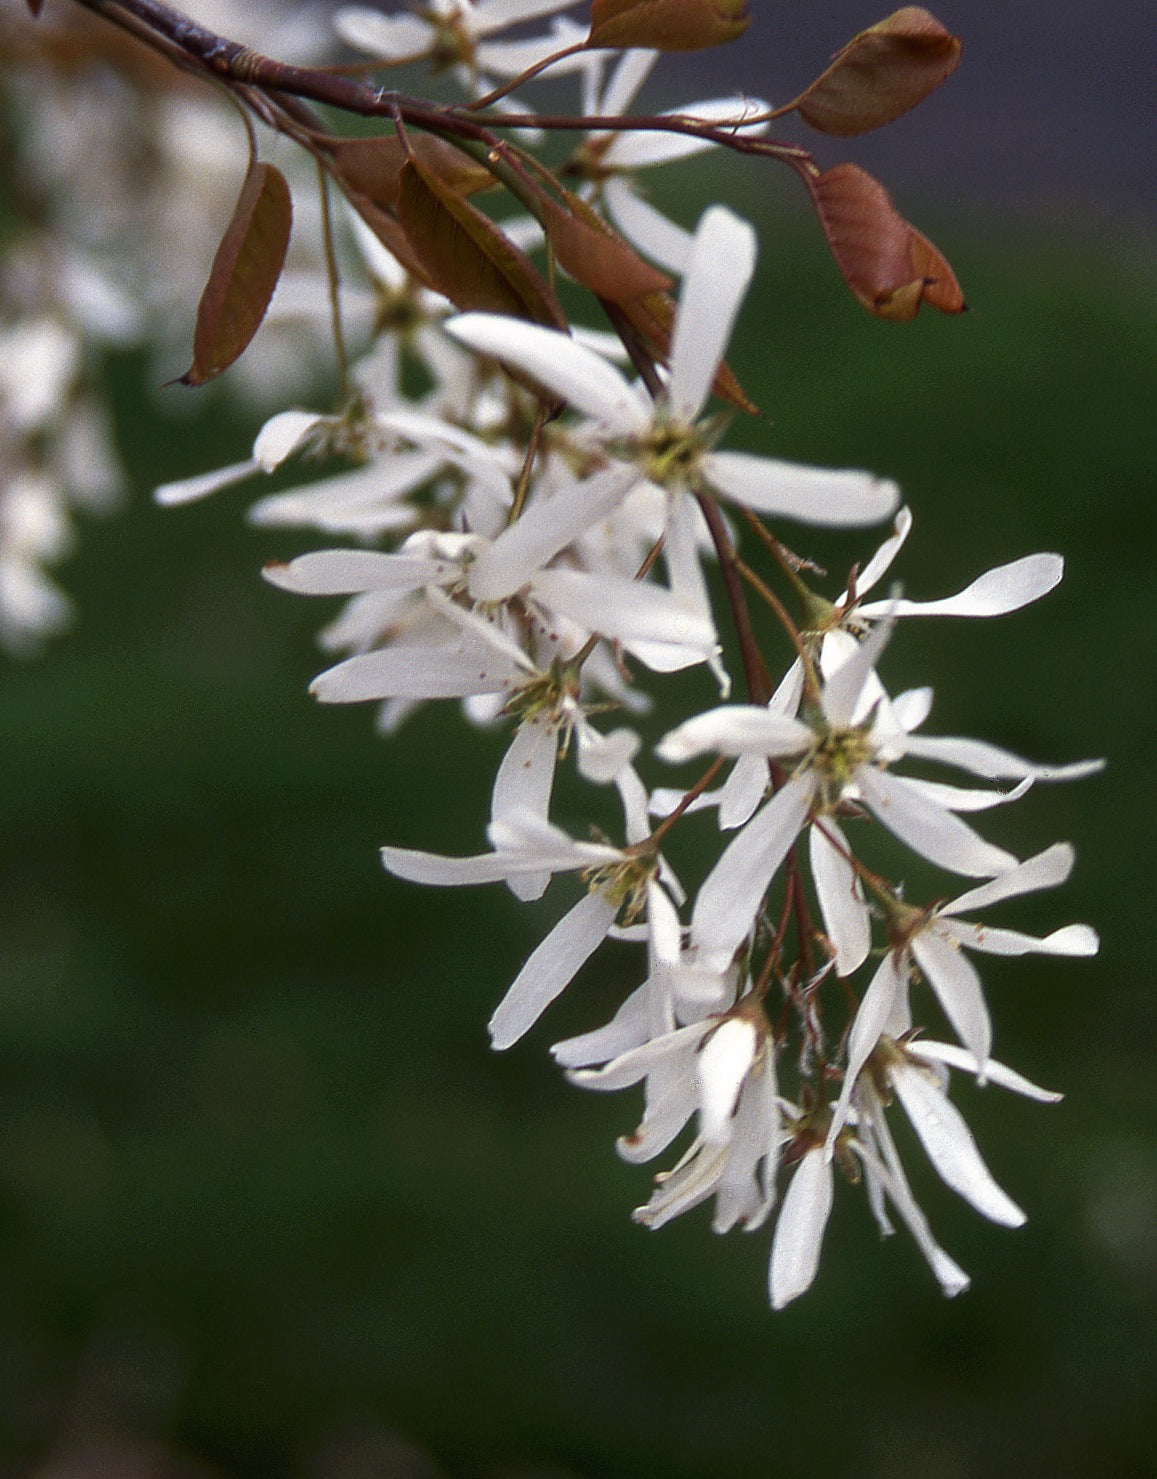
(667, 25)
(244, 273)
(595, 255)
(880, 74)
(465, 255)
(373, 167)
(889, 266)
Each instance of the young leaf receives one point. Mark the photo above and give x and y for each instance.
(595, 255)
(465, 255)
(888, 265)
(373, 167)
(244, 273)
(667, 25)
(880, 74)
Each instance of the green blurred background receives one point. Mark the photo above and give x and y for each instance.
(268, 1202)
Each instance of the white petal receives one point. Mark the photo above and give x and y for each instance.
(415, 672)
(995, 593)
(547, 526)
(630, 611)
(551, 968)
(389, 37)
(956, 983)
(966, 798)
(638, 150)
(912, 707)
(994, 763)
(881, 562)
(488, 16)
(735, 729)
(603, 757)
(722, 1064)
(742, 791)
(628, 1029)
(638, 1063)
(1073, 939)
(523, 783)
(927, 829)
(631, 71)
(871, 1021)
(189, 490)
(718, 275)
(841, 897)
(733, 891)
(812, 495)
(949, 1275)
(578, 375)
(280, 437)
(1045, 870)
(658, 238)
(996, 1073)
(795, 1250)
(950, 1146)
(843, 693)
(348, 572)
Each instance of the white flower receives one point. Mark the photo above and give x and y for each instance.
(663, 439)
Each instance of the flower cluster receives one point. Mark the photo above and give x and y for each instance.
(541, 520)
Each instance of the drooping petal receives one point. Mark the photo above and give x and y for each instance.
(1072, 939)
(995, 593)
(928, 829)
(956, 982)
(718, 275)
(1044, 870)
(966, 798)
(548, 526)
(795, 1250)
(524, 783)
(419, 672)
(872, 1019)
(733, 891)
(950, 1146)
(949, 1275)
(841, 896)
(657, 237)
(742, 791)
(995, 764)
(628, 1029)
(576, 374)
(283, 435)
(831, 498)
(996, 1073)
(722, 1064)
(551, 967)
(735, 729)
(189, 490)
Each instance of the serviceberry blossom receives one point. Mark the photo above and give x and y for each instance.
(519, 525)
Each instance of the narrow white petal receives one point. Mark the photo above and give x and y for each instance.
(733, 891)
(956, 983)
(912, 707)
(551, 968)
(843, 690)
(628, 1029)
(841, 897)
(348, 572)
(189, 490)
(868, 1025)
(994, 763)
(638, 1063)
(658, 238)
(488, 16)
(548, 526)
(812, 495)
(735, 729)
(443, 872)
(415, 672)
(1072, 939)
(996, 1073)
(630, 611)
(795, 1250)
(718, 275)
(280, 437)
(950, 1146)
(1045, 870)
(386, 36)
(524, 783)
(928, 829)
(949, 1275)
(603, 757)
(577, 375)
(881, 562)
(631, 71)
(722, 1064)
(742, 791)
(995, 593)
(966, 798)
(639, 150)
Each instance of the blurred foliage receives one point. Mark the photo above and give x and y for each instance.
(266, 1198)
